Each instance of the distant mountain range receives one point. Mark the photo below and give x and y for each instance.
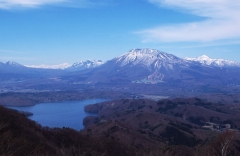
(205, 60)
(58, 66)
(145, 57)
(81, 65)
(139, 66)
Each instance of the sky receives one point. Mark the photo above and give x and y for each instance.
(50, 32)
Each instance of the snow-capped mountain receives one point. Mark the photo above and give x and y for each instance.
(149, 58)
(205, 60)
(74, 67)
(58, 66)
(141, 65)
(154, 66)
(85, 65)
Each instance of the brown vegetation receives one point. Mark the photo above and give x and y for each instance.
(21, 136)
(173, 123)
(124, 128)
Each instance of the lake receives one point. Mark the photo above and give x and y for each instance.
(60, 114)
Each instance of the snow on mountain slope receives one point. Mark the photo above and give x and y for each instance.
(76, 66)
(205, 60)
(153, 66)
(141, 65)
(150, 58)
(85, 64)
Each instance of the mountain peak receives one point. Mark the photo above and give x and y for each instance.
(204, 57)
(88, 63)
(13, 64)
(145, 51)
(148, 58)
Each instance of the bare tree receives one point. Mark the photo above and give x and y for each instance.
(223, 145)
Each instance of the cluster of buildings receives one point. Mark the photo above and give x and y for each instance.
(217, 127)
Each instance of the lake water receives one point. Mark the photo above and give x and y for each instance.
(60, 114)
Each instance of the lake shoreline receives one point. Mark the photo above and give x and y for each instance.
(59, 114)
(33, 98)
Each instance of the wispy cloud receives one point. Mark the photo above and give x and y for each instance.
(8, 4)
(12, 4)
(222, 22)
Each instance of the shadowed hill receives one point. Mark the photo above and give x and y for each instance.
(171, 122)
(21, 136)
(124, 128)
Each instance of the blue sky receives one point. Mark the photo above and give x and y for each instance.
(35, 32)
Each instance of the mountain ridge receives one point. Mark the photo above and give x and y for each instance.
(135, 56)
(205, 60)
(139, 66)
(134, 68)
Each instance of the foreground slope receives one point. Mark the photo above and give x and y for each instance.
(125, 128)
(172, 122)
(21, 136)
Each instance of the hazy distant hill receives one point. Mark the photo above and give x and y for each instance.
(14, 71)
